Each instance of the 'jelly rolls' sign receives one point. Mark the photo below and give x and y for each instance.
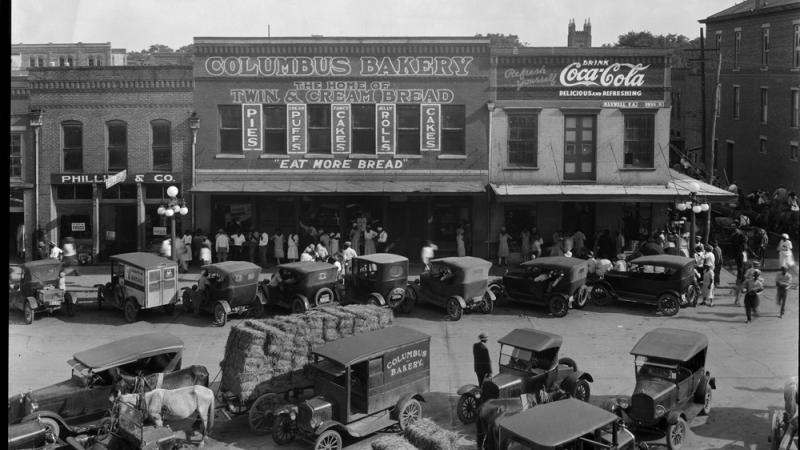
(386, 119)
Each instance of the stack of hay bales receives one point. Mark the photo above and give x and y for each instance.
(423, 434)
(271, 355)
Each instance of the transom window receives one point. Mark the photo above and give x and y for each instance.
(408, 131)
(117, 145)
(162, 146)
(522, 142)
(319, 129)
(15, 156)
(639, 140)
(453, 120)
(230, 129)
(73, 146)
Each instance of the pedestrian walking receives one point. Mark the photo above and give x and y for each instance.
(427, 254)
(483, 362)
(277, 242)
(197, 243)
(205, 253)
(263, 247)
(382, 241)
(369, 240)
(752, 288)
(252, 246)
(222, 245)
(785, 255)
(619, 241)
(55, 252)
(461, 250)
(707, 282)
(717, 250)
(355, 237)
(237, 247)
(739, 241)
(291, 247)
(166, 248)
(536, 243)
(502, 247)
(762, 240)
(578, 242)
(525, 244)
(782, 281)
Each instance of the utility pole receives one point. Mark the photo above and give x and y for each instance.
(717, 105)
(703, 92)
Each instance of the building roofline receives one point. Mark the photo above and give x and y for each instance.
(341, 40)
(63, 44)
(570, 51)
(769, 9)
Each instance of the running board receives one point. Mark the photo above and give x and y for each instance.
(371, 424)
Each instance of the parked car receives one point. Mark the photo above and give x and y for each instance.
(377, 279)
(140, 281)
(300, 286)
(566, 425)
(38, 290)
(666, 281)
(362, 384)
(672, 383)
(74, 404)
(455, 283)
(529, 363)
(232, 288)
(553, 281)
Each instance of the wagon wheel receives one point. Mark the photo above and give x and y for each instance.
(29, 313)
(487, 305)
(260, 417)
(600, 295)
(558, 305)
(220, 316)
(410, 412)
(69, 305)
(329, 440)
(283, 429)
(130, 310)
(668, 304)
(407, 307)
(676, 434)
(581, 297)
(467, 408)
(454, 309)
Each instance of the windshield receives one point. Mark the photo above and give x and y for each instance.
(330, 370)
(515, 358)
(652, 370)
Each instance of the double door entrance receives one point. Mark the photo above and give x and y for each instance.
(580, 143)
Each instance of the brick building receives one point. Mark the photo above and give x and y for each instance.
(99, 122)
(21, 165)
(78, 54)
(758, 127)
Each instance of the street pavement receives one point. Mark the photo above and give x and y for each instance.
(750, 361)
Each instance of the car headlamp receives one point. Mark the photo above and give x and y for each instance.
(660, 411)
(292, 415)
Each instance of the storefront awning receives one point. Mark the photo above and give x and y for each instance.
(677, 187)
(342, 186)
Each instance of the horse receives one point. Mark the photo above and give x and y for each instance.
(189, 376)
(179, 403)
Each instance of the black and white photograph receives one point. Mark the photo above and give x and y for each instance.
(399, 225)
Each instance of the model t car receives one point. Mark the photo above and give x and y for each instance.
(70, 406)
(230, 287)
(38, 291)
(378, 279)
(672, 384)
(363, 384)
(529, 364)
(140, 281)
(664, 280)
(455, 283)
(300, 286)
(553, 281)
(566, 425)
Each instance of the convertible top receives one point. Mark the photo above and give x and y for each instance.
(670, 343)
(144, 260)
(307, 267)
(232, 266)
(463, 262)
(382, 258)
(671, 261)
(552, 424)
(349, 350)
(531, 339)
(561, 262)
(127, 350)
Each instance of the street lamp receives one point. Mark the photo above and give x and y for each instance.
(697, 206)
(173, 207)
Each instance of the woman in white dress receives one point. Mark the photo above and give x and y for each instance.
(462, 251)
(369, 240)
(502, 247)
(277, 240)
(785, 256)
(291, 247)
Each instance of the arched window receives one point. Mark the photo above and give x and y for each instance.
(162, 145)
(72, 149)
(117, 145)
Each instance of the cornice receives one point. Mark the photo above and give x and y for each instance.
(105, 105)
(111, 85)
(343, 49)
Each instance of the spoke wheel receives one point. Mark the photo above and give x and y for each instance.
(668, 304)
(283, 429)
(582, 391)
(220, 316)
(261, 417)
(467, 408)
(600, 295)
(487, 306)
(409, 413)
(298, 306)
(558, 306)
(454, 309)
(130, 310)
(29, 313)
(676, 434)
(329, 440)
(52, 430)
(581, 297)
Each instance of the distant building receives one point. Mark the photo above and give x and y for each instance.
(78, 54)
(162, 59)
(579, 39)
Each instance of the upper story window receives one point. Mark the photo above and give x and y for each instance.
(408, 131)
(230, 129)
(718, 40)
(65, 61)
(737, 48)
(15, 156)
(639, 140)
(765, 46)
(522, 138)
(73, 146)
(764, 104)
(453, 131)
(795, 118)
(275, 129)
(737, 101)
(162, 145)
(319, 129)
(95, 61)
(796, 53)
(117, 145)
(363, 129)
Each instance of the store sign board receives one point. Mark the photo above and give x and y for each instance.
(385, 119)
(341, 138)
(340, 91)
(334, 164)
(431, 127)
(116, 178)
(91, 178)
(78, 226)
(159, 231)
(296, 132)
(252, 127)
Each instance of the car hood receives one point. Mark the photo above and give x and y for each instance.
(500, 383)
(653, 387)
(49, 398)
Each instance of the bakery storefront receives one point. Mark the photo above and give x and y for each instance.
(325, 131)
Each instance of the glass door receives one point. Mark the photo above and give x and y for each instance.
(579, 148)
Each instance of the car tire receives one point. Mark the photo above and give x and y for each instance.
(329, 440)
(186, 300)
(257, 307)
(498, 291)
(600, 295)
(487, 305)
(130, 310)
(322, 292)
(407, 307)
(220, 316)
(776, 431)
(52, 428)
(373, 300)
(676, 434)
(298, 305)
(703, 396)
(582, 391)
(260, 417)
(668, 304)
(692, 294)
(410, 412)
(569, 362)
(283, 429)
(558, 305)
(69, 305)
(454, 309)
(29, 313)
(581, 297)
(467, 408)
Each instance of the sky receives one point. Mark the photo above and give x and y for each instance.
(136, 24)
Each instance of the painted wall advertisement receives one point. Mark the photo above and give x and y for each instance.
(405, 361)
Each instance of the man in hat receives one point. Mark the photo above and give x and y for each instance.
(383, 239)
(483, 363)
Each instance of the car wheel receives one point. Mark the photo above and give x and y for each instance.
(29, 313)
(407, 307)
(582, 391)
(600, 295)
(498, 291)
(703, 396)
(186, 300)
(69, 305)
(776, 432)
(676, 434)
(130, 310)
(220, 316)
(283, 429)
(454, 309)
(691, 295)
(558, 306)
(668, 304)
(257, 306)
(569, 362)
(581, 297)
(467, 408)
(298, 305)
(329, 440)
(260, 417)
(52, 429)
(323, 292)
(373, 300)
(410, 412)
(487, 305)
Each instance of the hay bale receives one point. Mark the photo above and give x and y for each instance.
(343, 316)
(392, 442)
(365, 317)
(427, 435)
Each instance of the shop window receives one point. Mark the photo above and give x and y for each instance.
(117, 145)
(408, 131)
(765, 46)
(764, 104)
(363, 129)
(639, 140)
(275, 129)
(453, 119)
(162, 146)
(74, 191)
(230, 129)
(319, 129)
(155, 191)
(15, 156)
(78, 226)
(522, 143)
(125, 191)
(73, 146)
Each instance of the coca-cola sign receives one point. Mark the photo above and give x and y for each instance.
(613, 75)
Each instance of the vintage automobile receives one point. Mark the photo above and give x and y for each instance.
(783, 426)
(672, 384)
(565, 425)
(664, 280)
(140, 281)
(529, 364)
(362, 384)
(455, 283)
(300, 286)
(553, 281)
(38, 291)
(67, 406)
(232, 288)
(377, 279)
